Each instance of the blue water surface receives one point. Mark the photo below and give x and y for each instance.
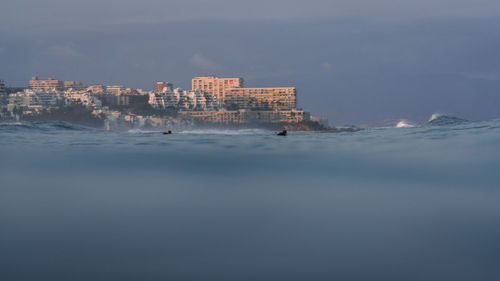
(415, 203)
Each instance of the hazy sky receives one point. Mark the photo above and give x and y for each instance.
(356, 62)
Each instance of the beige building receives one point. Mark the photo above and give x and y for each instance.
(114, 89)
(247, 116)
(45, 85)
(75, 85)
(96, 88)
(215, 85)
(222, 116)
(261, 98)
(286, 116)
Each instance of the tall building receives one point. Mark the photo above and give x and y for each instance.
(215, 85)
(45, 85)
(261, 98)
(75, 85)
(161, 86)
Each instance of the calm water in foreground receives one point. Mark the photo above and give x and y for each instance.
(418, 203)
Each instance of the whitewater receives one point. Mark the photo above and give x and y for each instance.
(409, 202)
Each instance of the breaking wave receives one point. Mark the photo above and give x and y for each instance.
(404, 124)
(445, 120)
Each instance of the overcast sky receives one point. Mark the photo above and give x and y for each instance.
(356, 62)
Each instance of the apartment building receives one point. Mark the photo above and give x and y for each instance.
(114, 89)
(277, 116)
(47, 85)
(247, 116)
(33, 99)
(96, 88)
(215, 85)
(261, 98)
(222, 116)
(82, 97)
(75, 85)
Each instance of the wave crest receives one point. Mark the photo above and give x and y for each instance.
(404, 124)
(444, 120)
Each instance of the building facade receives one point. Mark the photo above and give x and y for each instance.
(183, 100)
(30, 99)
(220, 116)
(75, 85)
(131, 100)
(261, 98)
(96, 88)
(85, 98)
(114, 89)
(215, 85)
(277, 116)
(45, 85)
(247, 116)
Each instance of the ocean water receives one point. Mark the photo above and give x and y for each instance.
(418, 202)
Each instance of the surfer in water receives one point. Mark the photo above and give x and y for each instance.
(167, 133)
(282, 133)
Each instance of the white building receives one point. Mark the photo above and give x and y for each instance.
(187, 100)
(82, 97)
(183, 100)
(156, 100)
(34, 100)
(173, 98)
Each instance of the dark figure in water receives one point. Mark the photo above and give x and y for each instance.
(282, 133)
(167, 133)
